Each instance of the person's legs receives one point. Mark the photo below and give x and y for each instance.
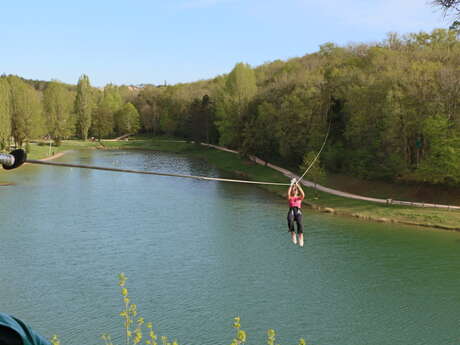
(298, 220)
(290, 219)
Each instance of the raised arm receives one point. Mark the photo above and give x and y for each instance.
(290, 191)
(301, 191)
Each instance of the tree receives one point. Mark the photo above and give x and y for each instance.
(58, 103)
(109, 104)
(200, 127)
(441, 163)
(5, 114)
(316, 174)
(26, 112)
(449, 6)
(127, 120)
(240, 88)
(84, 106)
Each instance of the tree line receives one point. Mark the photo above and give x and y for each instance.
(393, 109)
(32, 109)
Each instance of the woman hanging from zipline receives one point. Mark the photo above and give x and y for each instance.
(295, 214)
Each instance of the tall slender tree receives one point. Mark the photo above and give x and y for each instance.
(58, 103)
(84, 106)
(5, 114)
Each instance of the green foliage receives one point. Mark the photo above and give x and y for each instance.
(127, 119)
(380, 100)
(377, 98)
(84, 106)
(316, 173)
(26, 111)
(441, 163)
(58, 103)
(233, 104)
(5, 114)
(103, 118)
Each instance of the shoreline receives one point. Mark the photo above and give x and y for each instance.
(316, 200)
(357, 208)
(57, 155)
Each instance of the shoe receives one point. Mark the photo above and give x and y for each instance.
(294, 238)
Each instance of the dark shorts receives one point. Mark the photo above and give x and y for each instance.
(295, 216)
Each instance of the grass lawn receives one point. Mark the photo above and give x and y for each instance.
(397, 191)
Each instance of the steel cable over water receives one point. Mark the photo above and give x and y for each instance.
(8, 161)
(130, 171)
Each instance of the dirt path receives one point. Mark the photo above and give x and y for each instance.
(319, 187)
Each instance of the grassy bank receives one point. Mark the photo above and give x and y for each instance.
(234, 164)
(427, 217)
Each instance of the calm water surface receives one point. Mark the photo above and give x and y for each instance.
(199, 253)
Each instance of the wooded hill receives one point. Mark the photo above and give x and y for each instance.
(393, 109)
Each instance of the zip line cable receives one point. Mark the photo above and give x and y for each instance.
(130, 171)
(17, 157)
(316, 157)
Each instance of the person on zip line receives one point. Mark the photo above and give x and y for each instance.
(295, 214)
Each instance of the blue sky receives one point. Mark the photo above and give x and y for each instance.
(133, 42)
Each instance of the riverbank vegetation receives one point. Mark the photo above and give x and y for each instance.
(393, 109)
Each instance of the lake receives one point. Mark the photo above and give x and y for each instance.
(198, 253)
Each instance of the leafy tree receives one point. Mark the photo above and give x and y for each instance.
(103, 119)
(232, 106)
(58, 104)
(441, 163)
(5, 114)
(316, 174)
(200, 122)
(127, 120)
(26, 113)
(84, 106)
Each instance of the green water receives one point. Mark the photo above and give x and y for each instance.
(199, 253)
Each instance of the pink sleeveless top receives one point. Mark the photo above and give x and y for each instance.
(295, 201)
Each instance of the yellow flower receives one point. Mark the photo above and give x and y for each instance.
(241, 336)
